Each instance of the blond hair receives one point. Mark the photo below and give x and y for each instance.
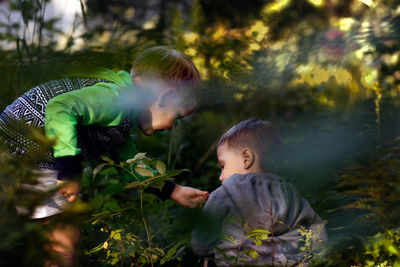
(162, 62)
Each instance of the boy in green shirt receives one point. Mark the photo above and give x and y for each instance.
(88, 117)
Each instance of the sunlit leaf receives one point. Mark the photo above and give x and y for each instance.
(114, 261)
(139, 156)
(173, 252)
(97, 248)
(99, 168)
(276, 6)
(135, 184)
(144, 172)
(117, 236)
(161, 167)
(113, 233)
(107, 159)
(254, 254)
(229, 238)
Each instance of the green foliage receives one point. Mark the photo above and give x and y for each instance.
(23, 237)
(17, 233)
(383, 249)
(373, 185)
(258, 235)
(310, 242)
(311, 239)
(129, 231)
(370, 187)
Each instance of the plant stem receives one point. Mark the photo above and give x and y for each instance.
(145, 225)
(84, 14)
(170, 147)
(240, 245)
(378, 98)
(129, 171)
(272, 235)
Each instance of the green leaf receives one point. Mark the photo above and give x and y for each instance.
(112, 189)
(114, 233)
(164, 176)
(96, 221)
(85, 181)
(117, 236)
(110, 171)
(107, 159)
(99, 168)
(392, 250)
(138, 156)
(135, 185)
(157, 252)
(97, 201)
(114, 261)
(144, 172)
(229, 238)
(97, 248)
(159, 182)
(173, 252)
(257, 241)
(260, 231)
(252, 253)
(111, 206)
(161, 167)
(101, 215)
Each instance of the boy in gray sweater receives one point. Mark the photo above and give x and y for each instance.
(257, 214)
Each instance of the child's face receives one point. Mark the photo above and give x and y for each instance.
(230, 162)
(162, 113)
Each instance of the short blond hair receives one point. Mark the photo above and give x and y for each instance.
(165, 63)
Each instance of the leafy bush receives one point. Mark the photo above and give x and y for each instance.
(124, 217)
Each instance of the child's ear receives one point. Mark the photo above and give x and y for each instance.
(248, 158)
(167, 96)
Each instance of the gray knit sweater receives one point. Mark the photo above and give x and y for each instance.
(261, 200)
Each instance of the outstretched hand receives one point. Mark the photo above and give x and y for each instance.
(69, 189)
(189, 197)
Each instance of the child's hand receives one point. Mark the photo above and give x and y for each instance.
(189, 197)
(69, 189)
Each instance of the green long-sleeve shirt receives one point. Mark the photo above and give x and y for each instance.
(100, 105)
